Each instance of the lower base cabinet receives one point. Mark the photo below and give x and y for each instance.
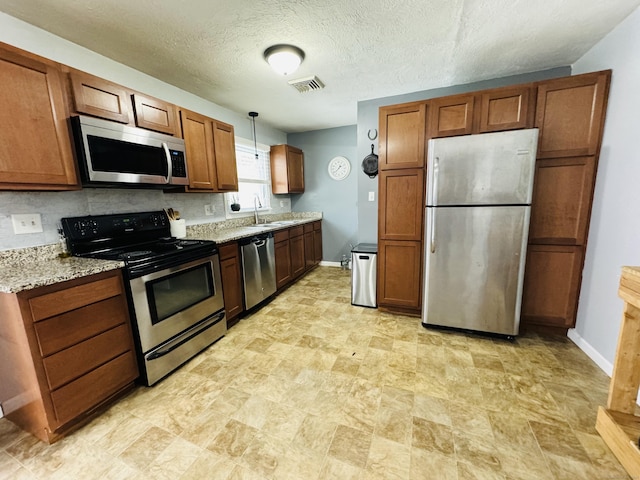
(283, 258)
(66, 351)
(551, 286)
(231, 272)
(399, 273)
(296, 243)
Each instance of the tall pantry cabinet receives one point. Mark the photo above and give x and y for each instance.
(569, 113)
(400, 206)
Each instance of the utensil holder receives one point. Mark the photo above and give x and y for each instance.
(178, 228)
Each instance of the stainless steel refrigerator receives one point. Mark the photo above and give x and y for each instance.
(479, 190)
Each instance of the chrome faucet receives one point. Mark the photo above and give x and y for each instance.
(256, 204)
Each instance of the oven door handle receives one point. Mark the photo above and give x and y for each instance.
(184, 337)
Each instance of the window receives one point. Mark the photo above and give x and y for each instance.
(254, 179)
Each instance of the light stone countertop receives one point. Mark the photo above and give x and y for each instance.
(33, 267)
(231, 230)
(27, 268)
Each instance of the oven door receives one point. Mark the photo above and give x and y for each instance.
(169, 302)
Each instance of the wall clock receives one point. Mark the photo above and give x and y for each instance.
(339, 168)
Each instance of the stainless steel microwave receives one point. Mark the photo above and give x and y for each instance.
(112, 154)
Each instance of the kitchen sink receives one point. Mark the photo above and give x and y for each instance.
(284, 222)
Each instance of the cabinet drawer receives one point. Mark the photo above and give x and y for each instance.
(281, 236)
(90, 390)
(296, 231)
(55, 303)
(308, 227)
(228, 250)
(317, 225)
(75, 361)
(60, 332)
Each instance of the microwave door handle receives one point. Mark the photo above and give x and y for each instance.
(167, 156)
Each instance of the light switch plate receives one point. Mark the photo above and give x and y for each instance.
(372, 196)
(26, 223)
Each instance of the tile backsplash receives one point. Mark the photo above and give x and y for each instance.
(52, 206)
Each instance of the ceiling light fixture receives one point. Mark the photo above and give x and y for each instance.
(284, 59)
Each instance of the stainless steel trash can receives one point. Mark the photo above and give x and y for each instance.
(363, 274)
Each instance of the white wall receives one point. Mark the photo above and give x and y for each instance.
(614, 234)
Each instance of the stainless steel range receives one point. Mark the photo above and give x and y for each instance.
(174, 286)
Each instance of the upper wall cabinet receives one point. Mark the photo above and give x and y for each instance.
(451, 116)
(35, 141)
(402, 136)
(99, 98)
(154, 114)
(287, 169)
(506, 109)
(211, 156)
(570, 115)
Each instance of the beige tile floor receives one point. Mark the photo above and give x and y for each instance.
(311, 387)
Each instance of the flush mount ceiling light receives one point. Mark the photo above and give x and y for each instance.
(284, 59)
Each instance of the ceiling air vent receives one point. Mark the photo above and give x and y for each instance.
(308, 84)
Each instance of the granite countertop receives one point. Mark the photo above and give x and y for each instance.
(33, 267)
(231, 230)
(27, 268)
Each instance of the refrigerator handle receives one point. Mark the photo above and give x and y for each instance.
(434, 202)
(432, 231)
(434, 184)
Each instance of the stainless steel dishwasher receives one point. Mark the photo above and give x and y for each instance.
(258, 268)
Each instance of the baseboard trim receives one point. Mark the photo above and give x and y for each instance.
(592, 353)
(326, 263)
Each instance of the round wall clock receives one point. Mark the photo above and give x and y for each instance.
(339, 168)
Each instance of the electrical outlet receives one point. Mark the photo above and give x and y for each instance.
(209, 209)
(372, 196)
(26, 223)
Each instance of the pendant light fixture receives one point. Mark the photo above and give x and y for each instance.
(253, 116)
(284, 59)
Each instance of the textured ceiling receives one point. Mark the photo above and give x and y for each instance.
(360, 49)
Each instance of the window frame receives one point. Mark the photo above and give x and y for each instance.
(247, 146)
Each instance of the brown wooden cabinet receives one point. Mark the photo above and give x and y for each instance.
(402, 136)
(224, 148)
(399, 275)
(317, 242)
(508, 108)
(283, 258)
(570, 115)
(309, 250)
(231, 272)
(211, 157)
(561, 200)
(551, 285)
(154, 114)
(451, 116)
(35, 141)
(400, 204)
(67, 351)
(296, 243)
(98, 97)
(287, 169)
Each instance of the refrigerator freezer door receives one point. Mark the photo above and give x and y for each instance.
(491, 168)
(474, 267)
